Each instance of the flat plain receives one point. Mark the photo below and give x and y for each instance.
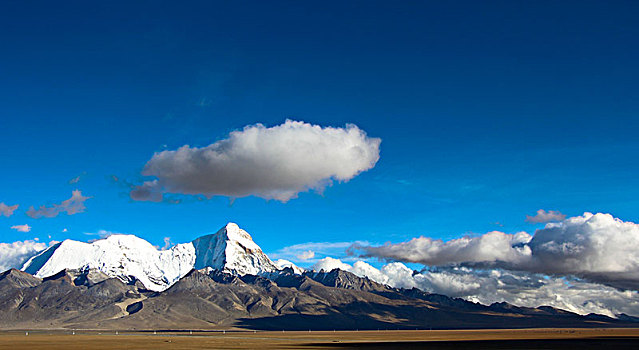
(618, 338)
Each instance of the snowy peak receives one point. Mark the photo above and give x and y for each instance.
(122, 256)
(128, 257)
(231, 249)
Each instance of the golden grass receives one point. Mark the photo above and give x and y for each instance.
(63, 339)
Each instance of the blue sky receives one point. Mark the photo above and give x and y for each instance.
(487, 112)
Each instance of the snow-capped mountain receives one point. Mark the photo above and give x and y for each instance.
(231, 250)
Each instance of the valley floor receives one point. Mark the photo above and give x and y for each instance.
(618, 338)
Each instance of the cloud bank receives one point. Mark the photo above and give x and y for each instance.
(13, 255)
(269, 162)
(543, 216)
(71, 206)
(596, 247)
(7, 210)
(488, 286)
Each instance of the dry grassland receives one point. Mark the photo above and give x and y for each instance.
(436, 339)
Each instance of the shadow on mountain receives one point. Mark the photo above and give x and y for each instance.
(135, 307)
(376, 316)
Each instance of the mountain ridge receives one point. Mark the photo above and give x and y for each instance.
(224, 280)
(125, 256)
(214, 299)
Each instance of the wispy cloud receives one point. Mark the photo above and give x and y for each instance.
(102, 234)
(71, 206)
(7, 210)
(21, 228)
(543, 216)
(77, 179)
(310, 252)
(306, 255)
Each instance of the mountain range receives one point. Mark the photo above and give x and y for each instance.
(225, 281)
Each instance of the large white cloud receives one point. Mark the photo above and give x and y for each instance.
(13, 255)
(492, 247)
(71, 206)
(488, 286)
(597, 247)
(269, 162)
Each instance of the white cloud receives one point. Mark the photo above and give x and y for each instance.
(7, 210)
(306, 255)
(596, 247)
(273, 163)
(488, 286)
(528, 289)
(543, 216)
(71, 206)
(329, 264)
(21, 228)
(491, 247)
(13, 255)
(393, 274)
